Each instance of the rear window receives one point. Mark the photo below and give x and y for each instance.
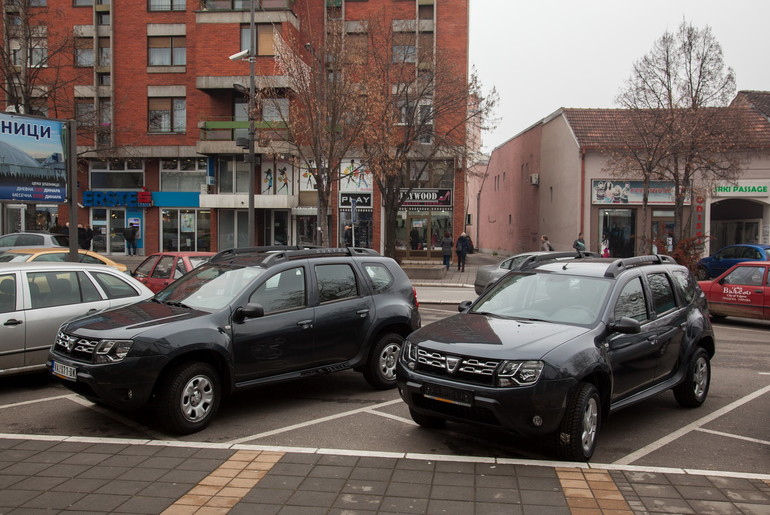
(58, 239)
(379, 275)
(687, 284)
(114, 287)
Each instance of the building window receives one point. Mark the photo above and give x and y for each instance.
(85, 114)
(84, 52)
(102, 18)
(82, 3)
(117, 174)
(264, 39)
(186, 230)
(187, 174)
(103, 79)
(37, 54)
(404, 48)
(166, 5)
(405, 111)
(275, 110)
(167, 114)
(430, 174)
(167, 51)
(105, 52)
(233, 174)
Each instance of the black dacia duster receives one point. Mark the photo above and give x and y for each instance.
(248, 317)
(554, 349)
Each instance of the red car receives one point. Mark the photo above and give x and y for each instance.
(162, 268)
(742, 291)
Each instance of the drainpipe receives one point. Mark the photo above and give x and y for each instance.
(478, 201)
(582, 190)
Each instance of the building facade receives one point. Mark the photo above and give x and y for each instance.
(162, 116)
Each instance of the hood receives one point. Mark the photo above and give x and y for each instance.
(129, 321)
(491, 337)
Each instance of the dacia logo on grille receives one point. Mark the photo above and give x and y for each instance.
(452, 363)
(69, 344)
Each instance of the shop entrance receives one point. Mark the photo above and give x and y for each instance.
(663, 232)
(618, 227)
(108, 225)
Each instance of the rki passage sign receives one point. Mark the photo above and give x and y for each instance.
(32, 159)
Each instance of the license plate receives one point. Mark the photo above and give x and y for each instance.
(448, 395)
(64, 371)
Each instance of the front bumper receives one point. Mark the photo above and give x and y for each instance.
(127, 384)
(528, 411)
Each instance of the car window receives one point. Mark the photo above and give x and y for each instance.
(631, 302)
(7, 293)
(64, 241)
(53, 289)
(115, 287)
(285, 290)
(196, 261)
(54, 257)
(88, 291)
(32, 240)
(164, 268)
(380, 276)
(662, 293)
(179, 269)
(687, 284)
(336, 282)
(746, 275)
(8, 241)
(145, 267)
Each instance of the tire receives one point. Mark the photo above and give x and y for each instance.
(427, 421)
(188, 398)
(702, 274)
(692, 392)
(380, 370)
(577, 435)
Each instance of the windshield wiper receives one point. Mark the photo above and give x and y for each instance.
(175, 303)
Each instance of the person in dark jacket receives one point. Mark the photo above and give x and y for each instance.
(129, 233)
(461, 249)
(85, 236)
(446, 249)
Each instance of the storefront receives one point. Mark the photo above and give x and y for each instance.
(737, 213)
(355, 204)
(424, 221)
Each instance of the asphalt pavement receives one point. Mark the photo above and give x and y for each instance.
(54, 473)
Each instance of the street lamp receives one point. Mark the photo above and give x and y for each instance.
(250, 55)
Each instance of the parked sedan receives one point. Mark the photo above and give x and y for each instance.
(36, 298)
(162, 268)
(58, 255)
(742, 291)
(724, 258)
(33, 239)
(486, 275)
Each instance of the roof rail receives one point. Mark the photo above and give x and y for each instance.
(536, 259)
(619, 265)
(285, 252)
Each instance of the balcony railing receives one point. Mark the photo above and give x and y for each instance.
(231, 130)
(245, 5)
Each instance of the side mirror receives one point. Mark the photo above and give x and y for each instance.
(464, 305)
(626, 325)
(249, 311)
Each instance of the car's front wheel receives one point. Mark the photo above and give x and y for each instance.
(577, 434)
(380, 371)
(692, 392)
(702, 273)
(188, 397)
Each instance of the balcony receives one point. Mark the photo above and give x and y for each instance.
(219, 136)
(245, 5)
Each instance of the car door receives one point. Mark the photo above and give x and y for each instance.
(668, 324)
(344, 314)
(281, 341)
(727, 258)
(13, 325)
(742, 292)
(143, 272)
(633, 357)
(55, 296)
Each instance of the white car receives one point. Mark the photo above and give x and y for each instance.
(488, 274)
(17, 240)
(36, 298)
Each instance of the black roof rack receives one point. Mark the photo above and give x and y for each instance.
(537, 259)
(619, 265)
(285, 252)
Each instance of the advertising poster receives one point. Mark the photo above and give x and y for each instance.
(32, 161)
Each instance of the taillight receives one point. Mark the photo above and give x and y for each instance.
(414, 298)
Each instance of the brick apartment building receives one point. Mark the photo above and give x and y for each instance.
(161, 108)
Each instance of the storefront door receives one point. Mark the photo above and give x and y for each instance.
(278, 232)
(663, 232)
(419, 236)
(108, 225)
(618, 226)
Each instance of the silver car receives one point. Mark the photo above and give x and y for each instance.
(16, 240)
(488, 274)
(36, 298)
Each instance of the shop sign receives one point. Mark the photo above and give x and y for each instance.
(607, 191)
(362, 200)
(117, 198)
(741, 190)
(428, 197)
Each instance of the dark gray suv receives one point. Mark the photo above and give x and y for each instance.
(554, 349)
(248, 317)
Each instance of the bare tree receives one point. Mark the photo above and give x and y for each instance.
(678, 128)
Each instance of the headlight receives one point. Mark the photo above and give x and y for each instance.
(409, 352)
(519, 373)
(110, 351)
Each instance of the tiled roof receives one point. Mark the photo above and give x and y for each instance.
(597, 129)
(759, 100)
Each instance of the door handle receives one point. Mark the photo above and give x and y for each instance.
(13, 321)
(653, 340)
(91, 311)
(758, 291)
(305, 324)
(362, 313)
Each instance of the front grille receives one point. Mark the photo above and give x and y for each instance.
(470, 369)
(472, 413)
(79, 349)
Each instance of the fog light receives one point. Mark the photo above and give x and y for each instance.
(537, 421)
(130, 394)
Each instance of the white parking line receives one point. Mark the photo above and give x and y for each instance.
(654, 446)
(310, 422)
(35, 401)
(730, 435)
(393, 417)
(119, 418)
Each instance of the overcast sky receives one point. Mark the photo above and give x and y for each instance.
(545, 54)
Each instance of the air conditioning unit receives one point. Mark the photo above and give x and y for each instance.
(534, 179)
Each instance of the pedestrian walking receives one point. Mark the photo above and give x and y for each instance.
(85, 237)
(545, 244)
(461, 249)
(579, 244)
(446, 249)
(129, 233)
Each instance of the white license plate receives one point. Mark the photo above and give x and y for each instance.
(65, 371)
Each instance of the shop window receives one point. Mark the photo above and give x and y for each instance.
(187, 174)
(117, 174)
(186, 230)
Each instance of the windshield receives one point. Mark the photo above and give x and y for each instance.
(209, 287)
(549, 297)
